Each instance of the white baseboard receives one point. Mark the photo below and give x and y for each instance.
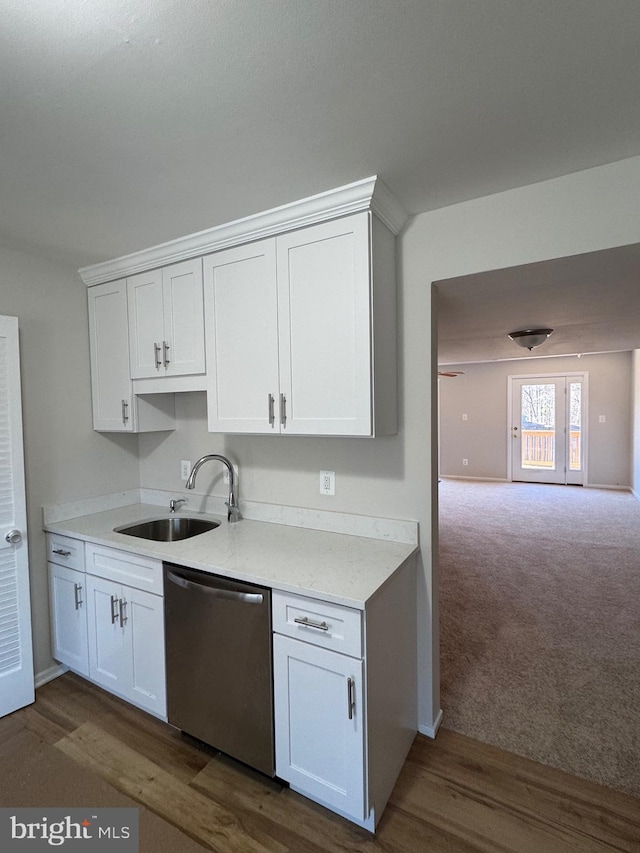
(611, 488)
(49, 674)
(478, 479)
(431, 731)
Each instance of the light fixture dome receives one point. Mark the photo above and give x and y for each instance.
(530, 338)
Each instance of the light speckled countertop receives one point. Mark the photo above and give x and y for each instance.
(335, 567)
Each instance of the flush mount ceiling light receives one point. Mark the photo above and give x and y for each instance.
(530, 338)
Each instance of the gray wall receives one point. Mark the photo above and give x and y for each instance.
(481, 393)
(64, 458)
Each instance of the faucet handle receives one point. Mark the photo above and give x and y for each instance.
(233, 511)
(174, 503)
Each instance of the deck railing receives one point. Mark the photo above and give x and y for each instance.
(538, 448)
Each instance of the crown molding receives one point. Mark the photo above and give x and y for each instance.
(367, 194)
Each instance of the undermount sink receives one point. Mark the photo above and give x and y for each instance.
(169, 528)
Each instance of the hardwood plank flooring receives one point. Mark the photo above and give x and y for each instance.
(454, 795)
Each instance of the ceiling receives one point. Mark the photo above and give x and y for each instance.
(126, 123)
(591, 301)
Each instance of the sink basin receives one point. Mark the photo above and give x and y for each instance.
(169, 528)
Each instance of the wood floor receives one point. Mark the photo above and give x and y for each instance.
(455, 795)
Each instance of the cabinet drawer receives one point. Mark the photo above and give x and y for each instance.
(331, 626)
(123, 567)
(65, 551)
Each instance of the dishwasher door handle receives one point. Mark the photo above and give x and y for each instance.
(229, 594)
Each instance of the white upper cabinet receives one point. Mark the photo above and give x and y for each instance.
(241, 314)
(299, 311)
(290, 333)
(115, 408)
(166, 324)
(324, 323)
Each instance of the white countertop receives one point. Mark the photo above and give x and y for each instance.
(335, 567)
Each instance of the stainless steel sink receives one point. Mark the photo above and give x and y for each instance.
(169, 528)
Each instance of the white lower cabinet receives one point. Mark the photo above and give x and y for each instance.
(126, 642)
(67, 599)
(67, 595)
(345, 701)
(319, 724)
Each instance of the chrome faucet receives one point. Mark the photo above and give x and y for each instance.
(174, 503)
(233, 510)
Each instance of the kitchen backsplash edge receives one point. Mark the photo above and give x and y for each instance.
(388, 529)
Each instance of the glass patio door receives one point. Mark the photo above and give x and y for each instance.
(547, 436)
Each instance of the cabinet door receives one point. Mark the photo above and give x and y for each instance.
(109, 661)
(183, 338)
(69, 617)
(109, 347)
(319, 741)
(324, 318)
(146, 324)
(144, 615)
(242, 339)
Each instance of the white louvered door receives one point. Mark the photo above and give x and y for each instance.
(16, 661)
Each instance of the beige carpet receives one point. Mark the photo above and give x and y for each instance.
(36, 774)
(540, 624)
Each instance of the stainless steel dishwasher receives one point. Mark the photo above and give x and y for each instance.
(219, 663)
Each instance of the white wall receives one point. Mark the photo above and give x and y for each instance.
(635, 451)
(64, 458)
(483, 439)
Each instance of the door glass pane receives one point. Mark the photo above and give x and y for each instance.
(575, 426)
(538, 410)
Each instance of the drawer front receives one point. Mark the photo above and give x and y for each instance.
(331, 626)
(121, 566)
(65, 551)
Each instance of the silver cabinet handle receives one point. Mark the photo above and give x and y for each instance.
(123, 618)
(283, 410)
(304, 620)
(114, 613)
(13, 537)
(272, 414)
(125, 411)
(165, 353)
(156, 355)
(351, 698)
(77, 589)
(61, 552)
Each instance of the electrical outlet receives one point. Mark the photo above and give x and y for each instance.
(465, 417)
(185, 469)
(602, 419)
(327, 482)
(465, 461)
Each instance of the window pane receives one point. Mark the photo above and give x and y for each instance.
(538, 410)
(575, 426)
